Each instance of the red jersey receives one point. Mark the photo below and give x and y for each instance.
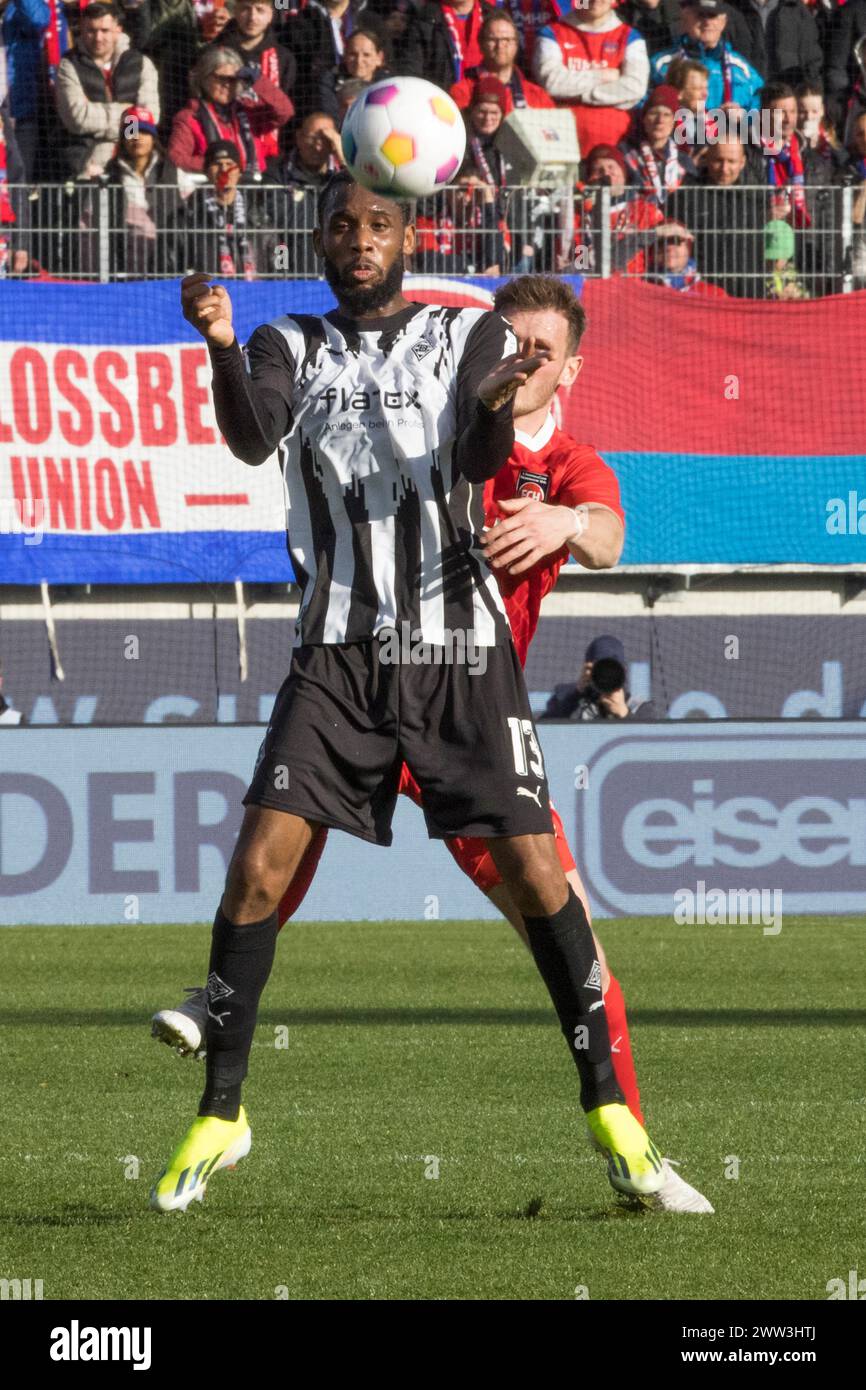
(520, 92)
(549, 467)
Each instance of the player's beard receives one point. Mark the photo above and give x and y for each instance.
(361, 300)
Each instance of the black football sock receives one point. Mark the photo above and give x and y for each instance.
(240, 963)
(564, 952)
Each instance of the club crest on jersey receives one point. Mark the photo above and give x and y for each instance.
(533, 485)
(421, 349)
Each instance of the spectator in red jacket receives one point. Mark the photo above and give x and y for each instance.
(633, 217)
(229, 102)
(499, 41)
(655, 161)
(441, 41)
(596, 67)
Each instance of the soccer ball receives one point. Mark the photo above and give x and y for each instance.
(403, 137)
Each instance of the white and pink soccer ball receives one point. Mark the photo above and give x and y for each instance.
(404, 137)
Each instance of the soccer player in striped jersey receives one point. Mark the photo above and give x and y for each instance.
(528, 538)
(388, 418)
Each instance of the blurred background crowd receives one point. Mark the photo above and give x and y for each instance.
(723, 145)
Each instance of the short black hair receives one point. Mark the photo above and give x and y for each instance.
(774, 91)
(343, 180)
(100, 10)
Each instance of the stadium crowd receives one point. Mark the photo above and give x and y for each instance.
(717, 139)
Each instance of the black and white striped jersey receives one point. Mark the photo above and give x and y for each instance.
(384, 448)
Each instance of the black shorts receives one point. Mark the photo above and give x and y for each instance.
(345, 720)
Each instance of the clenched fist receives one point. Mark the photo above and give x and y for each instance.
(208, 308)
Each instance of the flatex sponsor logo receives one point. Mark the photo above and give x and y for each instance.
(763, 812)
(77, 1343)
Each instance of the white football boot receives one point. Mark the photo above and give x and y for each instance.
(183, 1028)
(676, 1194)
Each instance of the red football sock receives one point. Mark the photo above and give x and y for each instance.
(304, 875)
(620, 1044)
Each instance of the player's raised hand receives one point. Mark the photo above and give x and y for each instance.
(208, 308)
(511, 373)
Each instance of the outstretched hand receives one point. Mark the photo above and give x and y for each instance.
(208, 308)
(531, 531)
(500, 384)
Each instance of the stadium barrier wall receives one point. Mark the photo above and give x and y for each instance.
(736, 429)
(138, 826)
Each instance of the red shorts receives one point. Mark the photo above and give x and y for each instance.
(472, 855)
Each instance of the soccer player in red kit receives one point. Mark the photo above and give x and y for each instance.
(553, 498)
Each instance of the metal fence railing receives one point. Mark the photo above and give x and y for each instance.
(753, 241)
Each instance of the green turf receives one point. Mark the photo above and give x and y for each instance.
(407, 1040)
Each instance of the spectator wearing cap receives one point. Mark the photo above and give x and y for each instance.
(727, 217)
(141, 205)
(317, 36)
(484, 178)
(656, 162)
(96, 82)
(499, 42)
(442, 42)
(731, 76)
(365, 59)
(671, 262)
(597, 67)
(230, 102)
(782, 39)
(22, 27)
(600, 691)
(657, 21)
(632, 215)
(782, 281)
(222, 226)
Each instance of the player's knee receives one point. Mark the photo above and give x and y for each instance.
(534, 876)
(254, 885)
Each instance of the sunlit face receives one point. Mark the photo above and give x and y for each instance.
(658, 122)
(222, 85)
(361, 57)
(706, 28)
(810, 114)
(363, 243)
(311, 141)
(499, 45)
(783, 114)
(549, 329)
(99, 38)
(603, 166)
(485, 117)
(695, 91)
(253, 17)
(725, 163)
(596, 9)
(674, 252)
(137, 144)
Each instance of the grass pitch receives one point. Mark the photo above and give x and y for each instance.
(387, 1053)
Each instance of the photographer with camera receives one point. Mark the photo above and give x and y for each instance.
(600, 691)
